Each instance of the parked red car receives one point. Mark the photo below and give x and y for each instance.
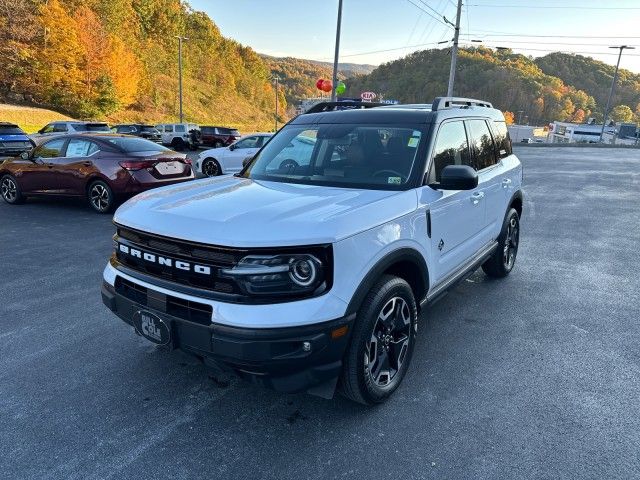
(217, 137)
(103, 168)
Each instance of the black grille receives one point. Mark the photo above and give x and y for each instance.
(213, 258)
(177, 307)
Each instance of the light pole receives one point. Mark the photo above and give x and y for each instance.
(180, 40)
(277, 79)
(454, 52)
(337, 52)
(613, 86)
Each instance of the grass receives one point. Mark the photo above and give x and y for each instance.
(30, 119)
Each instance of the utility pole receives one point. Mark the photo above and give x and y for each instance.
(277, 79)
(180, 40)
(337, 53)
(454, 51)
(613, 86)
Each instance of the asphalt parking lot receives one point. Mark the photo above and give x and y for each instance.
(534, 376)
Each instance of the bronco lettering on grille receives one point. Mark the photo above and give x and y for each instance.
(165, 261)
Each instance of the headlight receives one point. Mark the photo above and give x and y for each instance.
(285, 274)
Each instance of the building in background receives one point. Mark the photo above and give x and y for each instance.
(624, 134)
(566, 132)
(520, 133)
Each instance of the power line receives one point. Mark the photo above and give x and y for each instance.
(581, 7)
(389, 49)
(487, 33)
(428, 13)
(563, 51)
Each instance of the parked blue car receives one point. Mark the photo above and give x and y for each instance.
(13, 140)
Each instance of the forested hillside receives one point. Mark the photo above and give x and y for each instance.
(594, 77)
(511, 81)
(117, 59)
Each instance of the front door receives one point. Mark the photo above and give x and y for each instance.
(40, 176)
(69, 172)
(456, 217)
(242, 149)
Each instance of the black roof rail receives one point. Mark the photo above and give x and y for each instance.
(344, 105)
(441, 103)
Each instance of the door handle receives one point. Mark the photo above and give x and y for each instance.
(476, 197)
(506, 182)
(87, 164)
(50, 165)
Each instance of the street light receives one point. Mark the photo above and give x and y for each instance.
(180, 40)
(613, 86)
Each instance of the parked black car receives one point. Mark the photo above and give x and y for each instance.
(150, 132)
(13, 140)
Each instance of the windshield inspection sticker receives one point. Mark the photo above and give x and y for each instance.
(394, 180)
(413, 142)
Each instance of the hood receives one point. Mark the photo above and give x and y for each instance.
(235, 212)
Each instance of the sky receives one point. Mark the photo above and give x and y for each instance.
(378, 31)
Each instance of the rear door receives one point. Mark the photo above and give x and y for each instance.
(71, 170)
(456, 217)
(490, 174)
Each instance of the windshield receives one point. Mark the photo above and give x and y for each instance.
(150, 129)
(10, 130)
(91, 127)
(135, 144)
(343, 155)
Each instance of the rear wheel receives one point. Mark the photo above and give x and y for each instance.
(100, 197)
(382, 342)
(503, 259)
(10, 190)
(178, 144)
(211, 167)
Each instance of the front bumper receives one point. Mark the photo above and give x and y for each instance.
(289, 359)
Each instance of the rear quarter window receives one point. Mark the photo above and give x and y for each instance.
(10, 130)
(502, 139)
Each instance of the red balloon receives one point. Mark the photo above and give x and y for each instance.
(327, 86)
(319, 83)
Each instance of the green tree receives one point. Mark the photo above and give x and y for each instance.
(621, 113)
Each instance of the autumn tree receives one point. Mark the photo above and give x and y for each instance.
(509, 117)
(621, 113)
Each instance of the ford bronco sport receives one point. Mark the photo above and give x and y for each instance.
(307, 271)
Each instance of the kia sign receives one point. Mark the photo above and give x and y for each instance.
(367, 96)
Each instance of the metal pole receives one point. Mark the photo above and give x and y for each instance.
(337, 52)
(180, 75)
(454, 51)
(613, 86)
(276, 79)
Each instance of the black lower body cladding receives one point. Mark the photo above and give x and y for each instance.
(291, 359)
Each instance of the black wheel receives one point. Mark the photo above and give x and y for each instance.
(381, 343)
(211, 167)
(504, 258)
(11, 190)
(178, 144)
(100, 197)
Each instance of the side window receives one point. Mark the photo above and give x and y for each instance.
(80, 148)
(180, 129)
(160, 128)
(48, 128)
(59, 127)
(249, 142)
(93, 148)
(50, 149)
(503, 141)
(168, 128)
(481, 144)
(451, 148)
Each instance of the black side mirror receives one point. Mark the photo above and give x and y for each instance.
(232, 147)
(458, 177)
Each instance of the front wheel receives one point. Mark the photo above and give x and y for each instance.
(10, 190)
(211, 167)
(100, 197)
(503, 259)
(382, 342)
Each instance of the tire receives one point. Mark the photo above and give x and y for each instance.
(501, 263)
(211, 168)
(10, 190)
(367, 377)
(177, 144)
(100, 197)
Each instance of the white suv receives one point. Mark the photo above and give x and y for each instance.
(223, 160)
(179, 136)
(308, 273)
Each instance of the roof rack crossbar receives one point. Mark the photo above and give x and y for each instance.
(441, 103)
(346, 105)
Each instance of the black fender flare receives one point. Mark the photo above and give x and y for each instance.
(400, 255)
